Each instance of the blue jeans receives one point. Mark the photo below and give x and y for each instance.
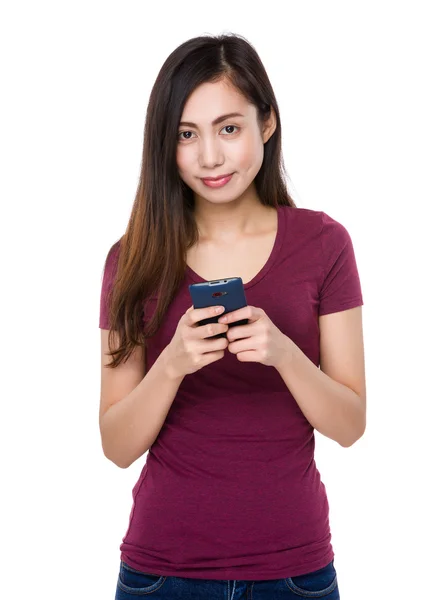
(318, 584)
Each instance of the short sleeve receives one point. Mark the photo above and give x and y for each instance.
(110, 270)
(341, 286)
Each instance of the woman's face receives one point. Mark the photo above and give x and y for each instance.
(233, 145)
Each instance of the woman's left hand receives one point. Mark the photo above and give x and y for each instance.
(258, 341)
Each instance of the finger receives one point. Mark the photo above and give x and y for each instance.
(239, 332)
(247, 312)
(200, 314)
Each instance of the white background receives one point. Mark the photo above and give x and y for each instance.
(359, 89)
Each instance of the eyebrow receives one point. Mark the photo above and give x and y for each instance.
(216, 121)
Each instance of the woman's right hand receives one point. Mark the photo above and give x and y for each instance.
(189, 351)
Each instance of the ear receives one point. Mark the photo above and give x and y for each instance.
(269, 126)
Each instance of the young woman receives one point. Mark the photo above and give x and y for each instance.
(229, 503)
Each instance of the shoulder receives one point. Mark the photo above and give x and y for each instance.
(303, 217)
(111, 259)
(114, 251)
(315, 222)
(305, 224)
(309, 215)
(330, 224)
(334, 234)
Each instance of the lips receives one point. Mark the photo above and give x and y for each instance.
(216, 178)
(217, 183)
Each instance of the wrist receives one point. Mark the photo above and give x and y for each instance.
(288, 351)
(168, 366)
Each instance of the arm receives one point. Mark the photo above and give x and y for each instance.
(130, 426)
(332, 399)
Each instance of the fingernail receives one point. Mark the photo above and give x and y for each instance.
(219, 309)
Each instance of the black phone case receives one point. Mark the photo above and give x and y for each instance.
(228, 292)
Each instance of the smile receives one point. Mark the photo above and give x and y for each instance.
(217, 182)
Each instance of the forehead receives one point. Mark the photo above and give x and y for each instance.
(209, 100)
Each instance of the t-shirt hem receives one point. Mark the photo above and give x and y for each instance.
(238, 574)
(342, 306)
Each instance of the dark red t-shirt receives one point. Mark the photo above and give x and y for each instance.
(230, 488)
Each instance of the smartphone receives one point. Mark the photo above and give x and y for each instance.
(228, 292)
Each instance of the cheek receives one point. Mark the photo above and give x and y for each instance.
(251, 157)
(184, 164)
(180, 159)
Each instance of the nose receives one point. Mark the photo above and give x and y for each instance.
(210, 153)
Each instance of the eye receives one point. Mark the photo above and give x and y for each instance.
(231, 126)
(188, 138)
(181, 132)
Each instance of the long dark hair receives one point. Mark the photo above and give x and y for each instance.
(150, 258)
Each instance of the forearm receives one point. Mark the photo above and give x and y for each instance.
(130, 427)
(332, 408)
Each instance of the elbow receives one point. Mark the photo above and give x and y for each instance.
(350, 441)
(356, 430)
(124, 462)
(116, 460)
(118, 463)
(112, 454)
